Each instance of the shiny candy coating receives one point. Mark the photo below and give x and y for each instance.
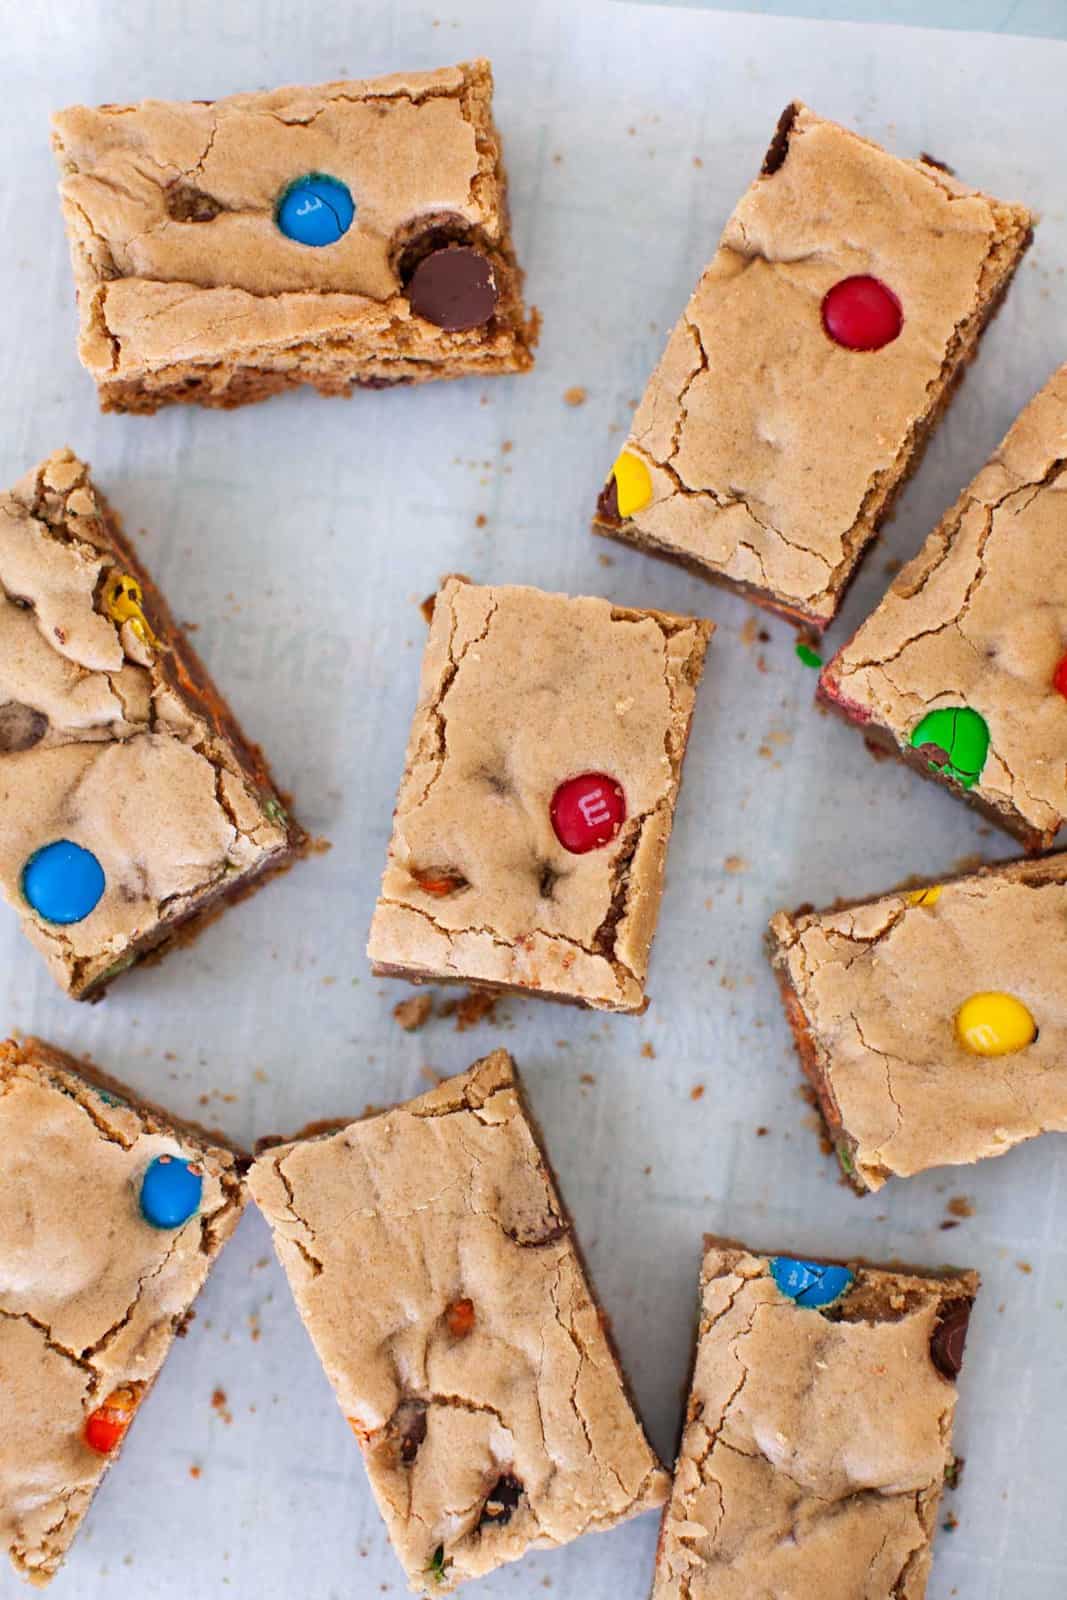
(105, 1426)
(1059, 678)
(587, 812)
(994, 1024)
(862, 313)
(171, 1191)
(925, 897)
(124, 602)
(63, 882)
(633, 483)
(810, 1283)
(955, 741)
(315, 210)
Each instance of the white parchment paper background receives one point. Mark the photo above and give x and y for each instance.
(299, 536)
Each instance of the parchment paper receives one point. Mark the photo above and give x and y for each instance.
(299, 536)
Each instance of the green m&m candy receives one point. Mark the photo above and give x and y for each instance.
(955, 742)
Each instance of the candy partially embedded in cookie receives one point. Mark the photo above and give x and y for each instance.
(925, 897)
(955, 742)
(315, 210)
(948, 1340)
(171, 1191)
(63, 882)
(629, 488)
(810, 1283)
(124, 603)
(105, 1427)
(995, 1024)
(1059, 678)
(454, 288)
(587, 812)
(862, 313)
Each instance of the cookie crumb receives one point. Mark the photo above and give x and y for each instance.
(413, 1012)
(647, 1050)
(735, 864)
(697, 1092)
(961, 1205)
(575, 395)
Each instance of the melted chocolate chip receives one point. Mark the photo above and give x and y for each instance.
(21, 727)
(934, 753)
(186, 203)
(454, 288)
(501, 1500)
(607, 505)
(408, 1424)
(949, 1338)
(779, 146)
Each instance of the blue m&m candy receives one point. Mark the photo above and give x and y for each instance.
(810, 1283)
(171, 1191)
(315, 210)
(63, 882)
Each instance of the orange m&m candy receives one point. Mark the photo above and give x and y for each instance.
(105, 1426)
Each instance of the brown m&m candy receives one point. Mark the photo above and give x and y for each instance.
(949, 1338)
(454, 288)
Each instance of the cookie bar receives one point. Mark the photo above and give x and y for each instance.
(536, 806)
(111, 1218)
(962, 669)
(351, 234)
(820, 348)
(131, 806)
(932, 1022)
(437, 1273)
(817, 1433)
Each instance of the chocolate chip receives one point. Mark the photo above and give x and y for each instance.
(547, 880)
(934, 753)
(501, 1500)
(21, 727)
(186, 203)
(454, 288)
(607, 505)
(949, 1338)
(779, 146)
(408, 1425)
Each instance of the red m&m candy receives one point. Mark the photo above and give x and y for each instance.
(105, 1426)
(1059, 678)
(862, 313)
(587, 812)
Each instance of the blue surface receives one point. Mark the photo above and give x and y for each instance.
(316, 210)
(63, 882)
(170, 1192)
(1044, 18)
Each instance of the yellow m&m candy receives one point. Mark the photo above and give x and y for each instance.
(633, 483)
(925, 897)
(994, 1024)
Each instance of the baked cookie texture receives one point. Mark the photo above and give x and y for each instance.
(436, 1271)
(873, 990)
(771, 453)
(520, 691)
(815, 1442)
(189, 291)
(979, 620)
(113, 737)
(91, 1295)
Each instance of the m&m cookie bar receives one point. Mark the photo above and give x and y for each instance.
(436, 1271)
(111, 1218)
(962, 669)
(536, 806)
(821, 345)
(355, 233)
(818, 1430)
(130, 803)
(932, 1022)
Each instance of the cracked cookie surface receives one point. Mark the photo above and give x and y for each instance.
(520, 691)
(91, 1296)
(187, 287)
(773, 452)
(111, 741)
(435, 1269)
(979, 619)
(815, 1445)
(873, 991)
